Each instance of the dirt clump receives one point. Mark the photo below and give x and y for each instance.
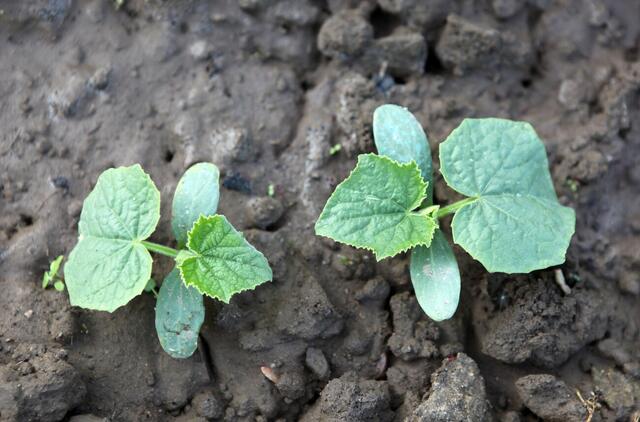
(457, 393)
(550, 398)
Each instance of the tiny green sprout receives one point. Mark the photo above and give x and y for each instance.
(271, 190)
(572, 185)
(335, 149)
(59, 285)
(151, 285)
(52, 274)
(510, 219)
(111, 263)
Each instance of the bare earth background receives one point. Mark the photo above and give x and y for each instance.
(264, 88)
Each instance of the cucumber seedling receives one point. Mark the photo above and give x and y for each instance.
(52, 275)
(510, 219)
(111, 263)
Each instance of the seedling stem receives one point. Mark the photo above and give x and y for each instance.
(450, 209)
(161, 249)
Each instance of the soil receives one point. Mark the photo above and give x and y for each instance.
(264, 89)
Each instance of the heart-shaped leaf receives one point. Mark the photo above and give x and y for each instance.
(179, 316)
(373, 208)
(219, 261)
(197, 193)
(515, 223)
(109, 266)
(436, 278)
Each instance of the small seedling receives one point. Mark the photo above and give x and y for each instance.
(510, 219)
(111, 263)
(271, 190)
(335, 149)
(151, 287)
(52, 275)
(573, 185)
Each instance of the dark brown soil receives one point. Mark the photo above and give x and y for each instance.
(264, 88)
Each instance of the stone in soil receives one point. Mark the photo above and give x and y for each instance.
(317, 363)
(465, 46)
(349, 399)
(457, 394)
(345, 35)
(207, 405)
(541, 326)
(403, 52)
(354, 115)
(263, 212)
(550, 398)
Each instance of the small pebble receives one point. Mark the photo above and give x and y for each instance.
(264, 211)
(100, 78)
(207, 405)
(317, 363)
(199, 50)
(629, 282)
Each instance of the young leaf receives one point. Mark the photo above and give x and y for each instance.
(221, 263)
(179, 316)
(372, 208)
(436, 278)
(54, 266)
(46, 279)
(515, 224)
(197, 193)
(109, 266)
(151, 284)
(399, 136)
(59, 285)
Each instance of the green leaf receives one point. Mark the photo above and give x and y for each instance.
(436, 278)
(59, 286)
(54, 266)
(372, 208)
(399, 136)
(515, 224)
(179, 316)
(151, 284)
(223, 262)
(109, 266)
(46, 279)
(197, 193)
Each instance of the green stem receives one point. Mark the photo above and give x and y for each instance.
(161, 249)
(450, 209)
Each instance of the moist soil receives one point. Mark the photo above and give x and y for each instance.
(264, 89)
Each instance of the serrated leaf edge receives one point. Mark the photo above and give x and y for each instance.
(184, 280)
(415, 205)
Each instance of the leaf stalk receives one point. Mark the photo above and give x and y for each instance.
(160, 249)
(452, 208)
